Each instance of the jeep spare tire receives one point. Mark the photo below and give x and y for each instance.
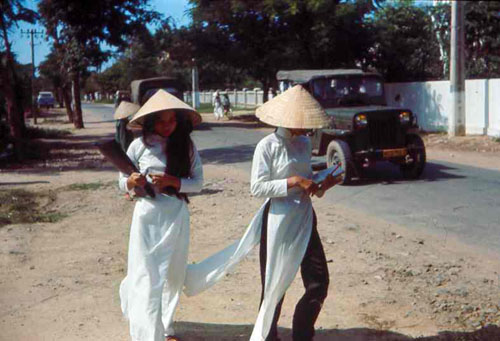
(416, 150)
(339, 152)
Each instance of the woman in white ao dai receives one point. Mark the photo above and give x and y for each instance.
(159, 233)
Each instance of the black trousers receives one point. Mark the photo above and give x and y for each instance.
(315, 277)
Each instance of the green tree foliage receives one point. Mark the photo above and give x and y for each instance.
(237, 43)
(112, 78)
(482, 39)
(54, 71)
(405, 44)
(141, 58)
(146, 56)
(261, 37)
(482, 43)
(206, 47)
(79, 27)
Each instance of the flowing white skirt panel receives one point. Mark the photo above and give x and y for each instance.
(157, 259)
(289, 229)
(201, 276)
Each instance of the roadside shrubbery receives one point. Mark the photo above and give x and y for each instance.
(28, 148)
(18, 206)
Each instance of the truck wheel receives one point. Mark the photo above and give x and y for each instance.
(416, 149)
(339, 151)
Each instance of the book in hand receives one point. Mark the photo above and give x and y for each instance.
(321, 176)
(334, 171)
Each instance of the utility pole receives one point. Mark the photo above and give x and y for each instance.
(456, 124)
(33, 34)
(195, 91)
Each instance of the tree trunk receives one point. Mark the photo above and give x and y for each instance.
(67, 102)
(14, 114)
(265, 87)
(60, 96)
(75, 86)
(13, 96)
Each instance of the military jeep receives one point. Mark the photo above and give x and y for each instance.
(143, 89)
(363, 128)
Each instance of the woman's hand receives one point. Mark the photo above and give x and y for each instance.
(161, 181)
(306, 184)
(328, 183)
(135, 180)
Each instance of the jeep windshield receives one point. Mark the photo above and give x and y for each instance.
(348, 90)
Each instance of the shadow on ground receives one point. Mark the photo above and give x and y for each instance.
(227, 155)
(23, 183)
(47, 114)
(206, 191)
(248, 121)
(191, 331)
(389, 174)
(65, 153)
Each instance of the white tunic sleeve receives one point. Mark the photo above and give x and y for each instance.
(261, 183)
(132, 154)
(194, 182)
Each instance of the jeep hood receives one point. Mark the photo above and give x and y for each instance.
(367, 109)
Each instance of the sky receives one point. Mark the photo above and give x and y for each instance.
(21, 42)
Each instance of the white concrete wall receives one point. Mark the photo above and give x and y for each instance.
(476, 106)
(431, 101)
(250, 98)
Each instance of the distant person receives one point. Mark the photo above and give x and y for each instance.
(122, 135)
(273, 93)
(159, 234)
(226, 104)
(217, 103)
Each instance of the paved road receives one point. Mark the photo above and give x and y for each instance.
(449, 199)
(98, 112)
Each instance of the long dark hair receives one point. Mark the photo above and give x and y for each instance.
(179, 148)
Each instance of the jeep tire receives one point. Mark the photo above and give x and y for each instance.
(339, 151)
(416, 149)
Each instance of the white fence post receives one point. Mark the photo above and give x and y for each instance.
(494, 107)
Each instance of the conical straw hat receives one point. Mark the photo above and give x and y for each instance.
(125, 109)
(162, 101)
(294, 108)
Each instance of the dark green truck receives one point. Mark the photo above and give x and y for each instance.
(363, 128)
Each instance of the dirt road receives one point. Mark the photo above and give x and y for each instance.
(59, 281)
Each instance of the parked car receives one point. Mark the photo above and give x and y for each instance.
(45, 99)
(363, 128)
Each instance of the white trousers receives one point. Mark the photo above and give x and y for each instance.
(157, 260)
(218, 112)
